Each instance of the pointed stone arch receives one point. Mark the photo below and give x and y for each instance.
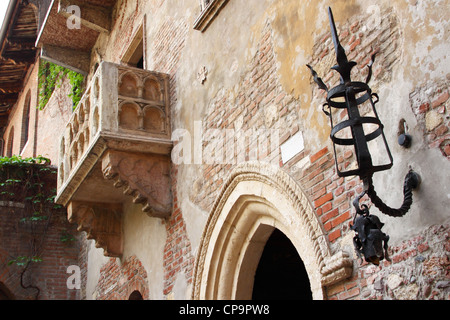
(255, 199)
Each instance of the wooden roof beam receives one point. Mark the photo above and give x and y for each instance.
(11, 87)
(20, 57)
(8, 98)
(22, 42)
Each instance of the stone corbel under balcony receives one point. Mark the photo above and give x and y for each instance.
(145, 177)
(101, 222)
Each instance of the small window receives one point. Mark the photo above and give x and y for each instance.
(25, 121)
(134, 56)
(9, 150)
(209, 9)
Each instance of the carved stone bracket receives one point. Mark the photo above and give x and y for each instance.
(336, 268)
(101, 222)
(145, 177)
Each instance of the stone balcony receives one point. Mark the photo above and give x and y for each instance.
(116, 148)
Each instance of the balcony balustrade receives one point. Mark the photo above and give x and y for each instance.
(116, 145)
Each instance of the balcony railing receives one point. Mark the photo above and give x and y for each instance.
(117, 144)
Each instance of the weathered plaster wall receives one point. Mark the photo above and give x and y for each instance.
(145, 238)
(272, 41)
(144, 242)
(295, 30)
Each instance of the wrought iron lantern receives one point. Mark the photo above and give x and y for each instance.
(355, 125)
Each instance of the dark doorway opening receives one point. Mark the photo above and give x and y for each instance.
(281, 274)
(135, 295)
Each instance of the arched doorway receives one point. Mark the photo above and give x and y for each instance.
(255, 200)
(281, 273)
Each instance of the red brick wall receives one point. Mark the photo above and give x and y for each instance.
(177, 250)
(17, 237)
(118, 282)
(330, 194)
(15, 120)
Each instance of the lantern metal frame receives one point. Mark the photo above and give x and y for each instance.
(369, 238)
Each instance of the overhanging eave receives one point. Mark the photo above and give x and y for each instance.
(67, 31)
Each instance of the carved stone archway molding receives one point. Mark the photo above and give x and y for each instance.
(255, 199)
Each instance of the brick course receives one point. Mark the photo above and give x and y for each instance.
(17, 237)
(119, 282)
(177, 250)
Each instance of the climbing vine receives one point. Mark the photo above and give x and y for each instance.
(25, 179)
(30, 182)
(51, 76)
